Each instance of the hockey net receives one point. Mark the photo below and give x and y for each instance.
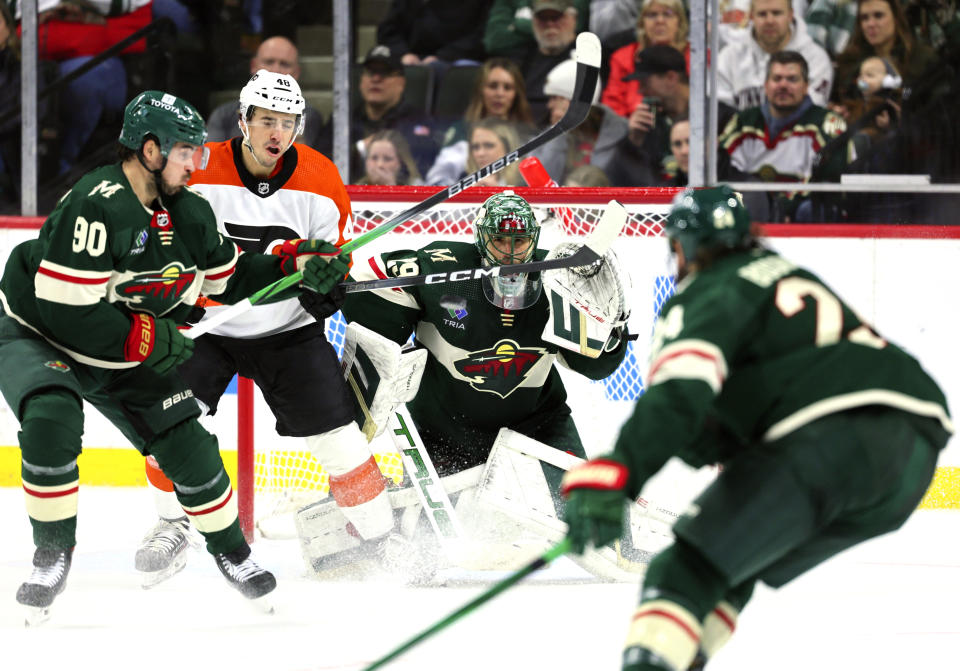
(285, 476)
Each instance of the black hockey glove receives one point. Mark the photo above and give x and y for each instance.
(321, 306)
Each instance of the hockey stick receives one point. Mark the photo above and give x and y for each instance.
(423, 474)
(588, 70)
(560, 548)
(595, 246)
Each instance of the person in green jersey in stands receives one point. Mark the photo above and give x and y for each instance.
(828, 434)
(488, 365)
(91, 310)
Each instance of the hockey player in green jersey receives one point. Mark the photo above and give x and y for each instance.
(488, 365)
(90, 311)
(828, 434)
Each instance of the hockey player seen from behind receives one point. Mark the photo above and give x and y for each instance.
(91, 311)
(489, 366)
(828, 434)
(277, 199)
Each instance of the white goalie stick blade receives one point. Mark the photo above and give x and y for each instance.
(594, 247)
(514, 483)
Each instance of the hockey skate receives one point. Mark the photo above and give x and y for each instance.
(163, 551)
(247, 577)
(49, 577)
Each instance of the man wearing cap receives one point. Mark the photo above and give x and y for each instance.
(509, 30)
(555, 34)
(275, 54)
(742, 64)
(662, 73)
(381, 107)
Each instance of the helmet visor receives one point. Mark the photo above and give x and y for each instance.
(189, 155)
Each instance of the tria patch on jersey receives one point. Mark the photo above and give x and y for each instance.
(501, 368)
(140, 243)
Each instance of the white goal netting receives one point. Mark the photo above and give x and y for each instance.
(285, 474)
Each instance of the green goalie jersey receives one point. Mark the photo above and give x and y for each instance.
(101, 255)
(753, 348)
(488, 368)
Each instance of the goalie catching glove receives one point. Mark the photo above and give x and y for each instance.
(595, 503)
(156, 343)
(589, 305)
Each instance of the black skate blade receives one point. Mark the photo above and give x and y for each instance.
(34, 616)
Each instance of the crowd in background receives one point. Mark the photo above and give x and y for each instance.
(808, 90)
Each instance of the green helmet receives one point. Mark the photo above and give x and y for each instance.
(508, 218)
(168, 118)
(704, 219)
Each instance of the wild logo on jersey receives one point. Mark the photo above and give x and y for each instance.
(156, 291)
(500, 369)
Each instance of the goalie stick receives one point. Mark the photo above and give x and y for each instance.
(595, 246)
(588, 57)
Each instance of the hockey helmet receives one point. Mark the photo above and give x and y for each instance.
(708, 219)
(164, 116)
(506, 232)
(272, 91)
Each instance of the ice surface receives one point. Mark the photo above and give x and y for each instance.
(887, 605)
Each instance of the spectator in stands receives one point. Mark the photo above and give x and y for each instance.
(72, 34)
(491, 139)
(593, 142)
(382, 83)
(275, 54)
(509, 31)
(679, 168)
(660, 22)
(742, 66)
(437, 33)
(830, 23)
(587, 176)
(9, 104)
(639, 159)
(389, 162)
(500, 92)
(779, 140)
(554, 28)
(881, 30)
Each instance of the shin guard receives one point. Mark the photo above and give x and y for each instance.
(164, 498)
(356, 483)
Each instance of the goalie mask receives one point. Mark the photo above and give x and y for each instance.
(506, 232)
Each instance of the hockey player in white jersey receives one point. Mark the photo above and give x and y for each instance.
(270, 196)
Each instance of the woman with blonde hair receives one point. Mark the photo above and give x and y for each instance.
(659, 22)
(389, 161)
(499, 92)
(490, 139)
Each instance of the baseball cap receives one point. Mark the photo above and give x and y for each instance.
(555, 5)
(382, 58)
(656, 59)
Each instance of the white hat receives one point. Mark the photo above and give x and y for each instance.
(562, 79)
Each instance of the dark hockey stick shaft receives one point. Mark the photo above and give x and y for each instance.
(588, 72)
(596, 245)
(559, 549)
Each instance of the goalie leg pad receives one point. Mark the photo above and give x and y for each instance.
(515, 485)
(356, 483)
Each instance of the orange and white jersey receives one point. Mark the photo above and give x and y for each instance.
(304, 197)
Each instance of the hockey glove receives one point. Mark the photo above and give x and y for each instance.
(156, 343)
(321, 306)
(595, 502)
